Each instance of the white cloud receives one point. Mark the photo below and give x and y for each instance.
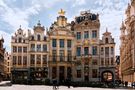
(16, 16)
(111, 12)
(77, 2)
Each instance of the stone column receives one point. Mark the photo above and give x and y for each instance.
(104, 56)
(57, 49)
(65, 52)
(35, 60)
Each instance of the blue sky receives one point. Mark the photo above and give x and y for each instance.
(26, 13)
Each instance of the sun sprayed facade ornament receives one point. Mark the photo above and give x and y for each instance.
(61, 12)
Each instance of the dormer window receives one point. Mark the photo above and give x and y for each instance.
(44, 38)
(106, 40)
(32, 37)
(38, 37)
(20, 40)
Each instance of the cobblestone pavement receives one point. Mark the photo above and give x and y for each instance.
(35, 87)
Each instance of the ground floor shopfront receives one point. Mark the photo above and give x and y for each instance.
(128, 76)
(27, 75)
(63, 71)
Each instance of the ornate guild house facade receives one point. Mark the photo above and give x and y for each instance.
(127, 48)
(67, 51)
(7, 65)
(2, 51)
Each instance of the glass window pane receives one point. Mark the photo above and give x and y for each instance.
(61, 43)
(54, 43)
(86, 50)
(78, 51)
(86, 34)
(69, 43)
(78, 36)
(94, 34)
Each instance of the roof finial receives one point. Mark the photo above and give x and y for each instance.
(20, 27)
(2, 38)
(61, 12)
(106, 29)
(38, 23)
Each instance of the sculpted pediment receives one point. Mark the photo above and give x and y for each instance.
(89, 24)
(61, 32)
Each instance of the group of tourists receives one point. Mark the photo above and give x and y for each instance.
(66, 82)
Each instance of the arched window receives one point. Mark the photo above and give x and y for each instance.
(106, 40)
(38, 37)
(44, 38)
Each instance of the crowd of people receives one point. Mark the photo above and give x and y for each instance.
(56, 84)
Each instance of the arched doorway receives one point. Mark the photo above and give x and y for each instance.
(107, 76)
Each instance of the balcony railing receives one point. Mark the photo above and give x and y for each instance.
(61, 58)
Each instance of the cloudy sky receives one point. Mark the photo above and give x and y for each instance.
(26, 13)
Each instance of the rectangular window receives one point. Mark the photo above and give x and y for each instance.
(61, 55)
(78, 73)
(38, 59)
(39, 47)
(94, 50)
(107, 61)
(78, 51)
(112, 61)
(69, 43)
(94, 73)
(14, 60)
(19, 60)
(78, 36)
(44, 47)
(19, 49)
(54, 43)
(94, 62)
(69, 58)
(54, 58)
(86, 50)
(86, 34)
(61, 43)
(94, 34)
(106, 51)
(44, 59)
(102, 51)
(14, 49)
(32, 60)
(24, 49)
(24, 60)
(112, 50)
(102, 61)
(32, 47)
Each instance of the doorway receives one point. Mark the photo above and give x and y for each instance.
(61, 74)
